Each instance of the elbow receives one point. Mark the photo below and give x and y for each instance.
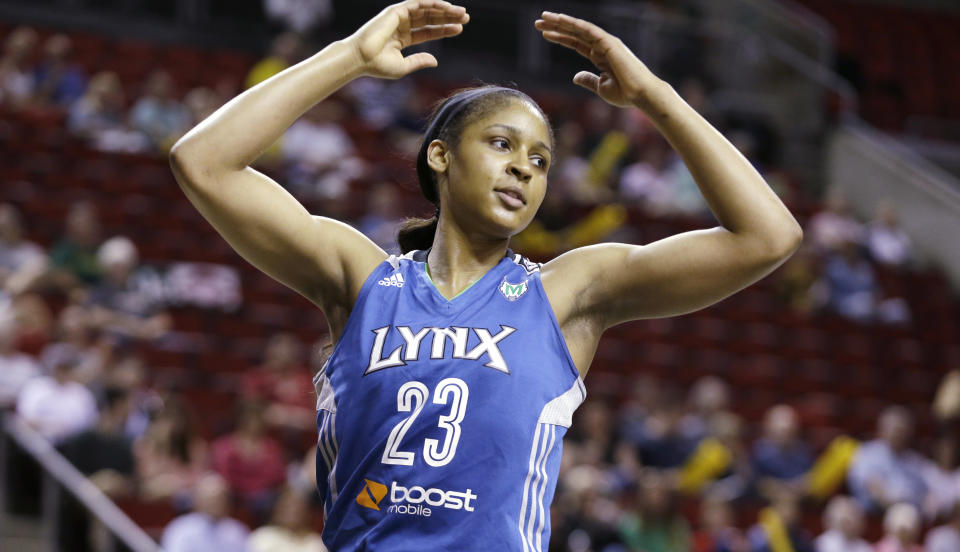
(182, 156)
(784, 243)
(189, 164)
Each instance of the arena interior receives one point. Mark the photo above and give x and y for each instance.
(147, 371)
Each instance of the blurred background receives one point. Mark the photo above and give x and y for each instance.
(155, 387)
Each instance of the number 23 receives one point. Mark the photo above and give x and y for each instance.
(411, 397)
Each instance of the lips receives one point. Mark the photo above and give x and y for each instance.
(512, 196)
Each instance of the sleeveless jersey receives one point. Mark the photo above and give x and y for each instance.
(440, 420)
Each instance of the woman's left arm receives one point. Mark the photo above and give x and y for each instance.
(614, 283)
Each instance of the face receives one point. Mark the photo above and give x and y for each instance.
(493, 181)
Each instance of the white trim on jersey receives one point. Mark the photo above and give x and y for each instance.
(531, 508)
(557, 412)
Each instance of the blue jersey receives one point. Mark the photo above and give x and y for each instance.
(440, 420)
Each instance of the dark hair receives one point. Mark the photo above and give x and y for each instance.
(449, 117)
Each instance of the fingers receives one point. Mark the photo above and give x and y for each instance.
(421, 18)
(425, 20)
(435, 32)
(584, 30)
(587, 80)
(415, 62)
(568, 41)
(433, 12)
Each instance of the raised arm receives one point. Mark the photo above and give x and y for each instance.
(324, 260)
(613, 283)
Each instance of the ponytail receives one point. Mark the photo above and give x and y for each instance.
(417, 233)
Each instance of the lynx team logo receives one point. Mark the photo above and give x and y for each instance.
(513, 291)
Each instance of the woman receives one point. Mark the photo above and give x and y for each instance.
(467, 456)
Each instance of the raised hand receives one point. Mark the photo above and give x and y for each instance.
(379, 42)
(623, 80)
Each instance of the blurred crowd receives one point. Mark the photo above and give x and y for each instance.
(635, 470)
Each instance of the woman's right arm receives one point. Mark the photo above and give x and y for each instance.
(324, 260)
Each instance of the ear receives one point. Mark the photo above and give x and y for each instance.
(438, 156)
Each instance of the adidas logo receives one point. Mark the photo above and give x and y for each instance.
(395, 280)
(372, 494)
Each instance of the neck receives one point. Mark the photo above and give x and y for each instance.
(458, 259)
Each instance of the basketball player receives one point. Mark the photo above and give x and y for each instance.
(458, 365)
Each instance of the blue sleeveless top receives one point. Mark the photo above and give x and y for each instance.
(440, 420)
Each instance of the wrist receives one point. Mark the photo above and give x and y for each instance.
(346, 56)
(656, 98)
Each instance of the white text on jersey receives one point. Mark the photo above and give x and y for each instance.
(410, 350)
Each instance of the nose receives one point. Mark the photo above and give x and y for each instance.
(520, 170)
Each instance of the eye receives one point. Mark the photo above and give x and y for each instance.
(503, 141)
(541, 162)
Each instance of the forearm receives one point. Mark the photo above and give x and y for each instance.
(736, 193)
(237, 133)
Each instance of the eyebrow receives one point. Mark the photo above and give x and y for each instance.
(516, 131)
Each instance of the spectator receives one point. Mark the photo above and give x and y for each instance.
(299, 15)
(16, 81)
(732, 481)
(284, 52)
(22, 262)
(34, 322)
(158, 114)
(250, 461)
(887, 243)
(662, 442)
(585, 514)
(16, 368)
(100, 119)
(657, 526)
(379, 102)
(945, 538)
(645, 181)
(320, 155)
(843, 520)
(569, 170)
(208, 527)
(57, 80)
(850, 284)
(128, 303)
(57, 406)
(289, 530)
(75, 336)
(942, 477)
(717, 532)
(901, 527)
(709, 396)
(74, 258)
(780, 525)
(171, 459)
(885, 471)
(834, 226)
(103, 454)
(202, 102)
(284, 384)
(779, 456)
(381, 220)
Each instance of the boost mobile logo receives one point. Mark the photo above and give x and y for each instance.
(411, 500)
(372, 494)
